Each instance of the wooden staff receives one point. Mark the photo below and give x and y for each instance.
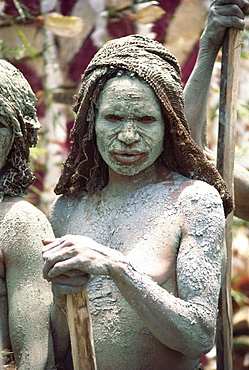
(80, 328)
(225, 165)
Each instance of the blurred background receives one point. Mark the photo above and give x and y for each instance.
(52, 42)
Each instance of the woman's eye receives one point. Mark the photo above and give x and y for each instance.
(113, 118)
(146, 119)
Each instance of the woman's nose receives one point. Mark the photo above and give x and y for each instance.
(128, 134)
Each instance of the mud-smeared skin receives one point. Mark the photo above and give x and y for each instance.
(157, 228)
(129, 135)
(156, 247)
(22, 228)
(25, 297)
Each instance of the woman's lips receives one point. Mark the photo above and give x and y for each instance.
(128, 157)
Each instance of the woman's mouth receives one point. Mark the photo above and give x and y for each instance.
(128, 157)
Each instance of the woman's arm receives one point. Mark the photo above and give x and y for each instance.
(29, 295)
(223, 14)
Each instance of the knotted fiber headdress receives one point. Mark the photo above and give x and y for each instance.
(154, 64)
(18, 112)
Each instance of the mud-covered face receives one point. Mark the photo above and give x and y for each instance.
(129, 125)
(6, 141)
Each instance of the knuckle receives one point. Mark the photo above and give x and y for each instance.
(235, 9)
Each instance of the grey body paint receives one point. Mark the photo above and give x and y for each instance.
(25, 297)
(147, 227)
(156, 248)
(129, 126)
(29, 296)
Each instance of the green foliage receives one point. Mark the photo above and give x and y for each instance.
(240, 298)
(238, 222)
(243, 109)
(23, 11)
(18, 52)
(28, 46)
(35, 154)
(245, 44)
(8, 53)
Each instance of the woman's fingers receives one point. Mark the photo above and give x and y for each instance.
(63, 284)
(75, 281)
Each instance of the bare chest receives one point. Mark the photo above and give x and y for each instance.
(144, 227)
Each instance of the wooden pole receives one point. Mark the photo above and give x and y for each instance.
(80, 328)
(225, 165)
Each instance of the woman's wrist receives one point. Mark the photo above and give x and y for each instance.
(209, 45)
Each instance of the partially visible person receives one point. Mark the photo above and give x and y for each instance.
(25, 297)
(223, 14)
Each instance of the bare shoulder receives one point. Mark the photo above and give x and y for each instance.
(201, 204)
(23, 226)
(188, 190)
(61, 211)
(6, 205)
(191, 199)
(21, 211)
(199, 192)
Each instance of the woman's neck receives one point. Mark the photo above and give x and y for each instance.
(121, 185)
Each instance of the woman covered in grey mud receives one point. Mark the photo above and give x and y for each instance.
(141, 219)
(143, 214)
(25, 297)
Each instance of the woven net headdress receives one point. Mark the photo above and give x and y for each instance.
(18, 112)
(154, 64)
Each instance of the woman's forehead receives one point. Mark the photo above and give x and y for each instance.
(127, 87)
(128, 96)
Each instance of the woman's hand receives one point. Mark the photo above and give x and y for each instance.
(70, 260)
(224, 14)
(71, 282)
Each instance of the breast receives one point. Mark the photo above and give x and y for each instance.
(121, 339)
(147, 232)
